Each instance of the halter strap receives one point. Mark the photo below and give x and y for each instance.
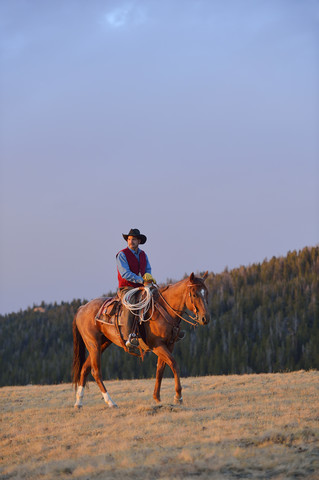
(176, 311)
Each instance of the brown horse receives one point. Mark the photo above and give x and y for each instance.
(160, 334)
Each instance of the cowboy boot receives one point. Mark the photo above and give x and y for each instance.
(132, 340)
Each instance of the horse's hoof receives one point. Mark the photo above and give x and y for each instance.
(178, 401)
(112, 405)
(78, 407)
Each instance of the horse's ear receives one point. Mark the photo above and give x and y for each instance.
(205, 275)
(191, 277)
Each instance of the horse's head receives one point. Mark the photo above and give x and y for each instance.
(197, 298)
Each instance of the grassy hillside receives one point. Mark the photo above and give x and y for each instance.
(249, 426)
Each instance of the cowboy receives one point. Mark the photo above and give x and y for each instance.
(133, 269)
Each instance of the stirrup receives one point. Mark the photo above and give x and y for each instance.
(132, 341)
(132, 347)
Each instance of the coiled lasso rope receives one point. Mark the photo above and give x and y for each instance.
(140, 307)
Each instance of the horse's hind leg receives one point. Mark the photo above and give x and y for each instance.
(84, 373)
(159, 376)
(164, 353)
(80, 390)
(95, 356)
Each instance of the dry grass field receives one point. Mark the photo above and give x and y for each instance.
(248, 426)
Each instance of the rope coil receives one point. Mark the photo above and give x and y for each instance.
(140, 307)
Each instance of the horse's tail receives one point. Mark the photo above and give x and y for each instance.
(78, 354)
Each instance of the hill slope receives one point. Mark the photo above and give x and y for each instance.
(248, 426)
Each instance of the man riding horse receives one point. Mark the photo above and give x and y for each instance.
(133, 269)
(160, 331)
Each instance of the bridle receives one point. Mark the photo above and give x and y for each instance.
(195, 309)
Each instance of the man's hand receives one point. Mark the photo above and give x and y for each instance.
(147, 277)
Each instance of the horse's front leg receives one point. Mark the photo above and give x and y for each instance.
(164, 354)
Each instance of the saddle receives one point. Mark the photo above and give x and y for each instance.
(110, 313)
(109, 308)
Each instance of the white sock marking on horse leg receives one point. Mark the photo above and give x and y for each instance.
(79, 396)
(108, 400)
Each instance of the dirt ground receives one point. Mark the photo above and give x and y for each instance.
(229, 427)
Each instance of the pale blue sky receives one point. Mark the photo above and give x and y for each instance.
(195, 121)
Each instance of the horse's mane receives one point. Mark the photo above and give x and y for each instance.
(163, 289)
(196, 281)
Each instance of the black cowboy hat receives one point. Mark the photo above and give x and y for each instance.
(134, 232)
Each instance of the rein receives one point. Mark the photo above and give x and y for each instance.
(176, 311)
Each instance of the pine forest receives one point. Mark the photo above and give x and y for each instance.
(264, 318)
